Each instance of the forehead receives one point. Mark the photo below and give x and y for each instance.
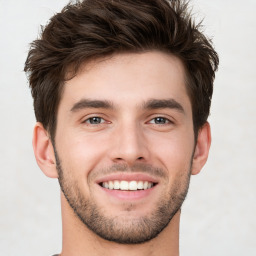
(128, 79)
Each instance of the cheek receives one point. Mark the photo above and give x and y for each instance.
(175, 152)
(80, 154)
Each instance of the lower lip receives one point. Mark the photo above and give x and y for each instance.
(128, 195)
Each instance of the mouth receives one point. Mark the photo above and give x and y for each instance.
(128, 186)
(125, 185)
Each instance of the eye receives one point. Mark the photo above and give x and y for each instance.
(160, 120)
(94, 120)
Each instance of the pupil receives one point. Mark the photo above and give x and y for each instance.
(95, 120)
(160, 120)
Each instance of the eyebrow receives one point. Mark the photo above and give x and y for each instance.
(163, 103)
(150, 104)
(87, 103)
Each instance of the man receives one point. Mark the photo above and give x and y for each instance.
(122, 91)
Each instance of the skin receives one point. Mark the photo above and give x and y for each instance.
(129, 135)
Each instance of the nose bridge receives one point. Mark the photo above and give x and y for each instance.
(129, 143)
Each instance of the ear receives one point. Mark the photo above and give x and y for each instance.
(43, 150)
(202, 148)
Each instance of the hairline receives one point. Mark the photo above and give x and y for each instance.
(74, 70)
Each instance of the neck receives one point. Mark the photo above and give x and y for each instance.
(78, 240)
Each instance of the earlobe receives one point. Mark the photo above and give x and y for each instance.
(43, 150)
(202, 148)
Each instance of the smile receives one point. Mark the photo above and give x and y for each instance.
(127, 185)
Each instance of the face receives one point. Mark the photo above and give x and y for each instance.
(124, 144)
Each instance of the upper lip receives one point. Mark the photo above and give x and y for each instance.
(127, 177)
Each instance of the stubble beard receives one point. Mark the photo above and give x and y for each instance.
(124, 230)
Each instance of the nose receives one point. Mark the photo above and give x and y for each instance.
(129, 145)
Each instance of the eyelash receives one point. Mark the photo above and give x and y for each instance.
(90, 120)
(166, 120)
(87, 121)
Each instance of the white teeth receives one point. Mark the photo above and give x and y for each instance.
(127, 185)
(116, 184)
(124, 185)
(133, 185)
(140, 185)
(110, 184)
(145, 185)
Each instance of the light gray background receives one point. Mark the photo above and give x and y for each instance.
(218, 217)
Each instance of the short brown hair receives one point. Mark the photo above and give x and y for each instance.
(91, 29)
